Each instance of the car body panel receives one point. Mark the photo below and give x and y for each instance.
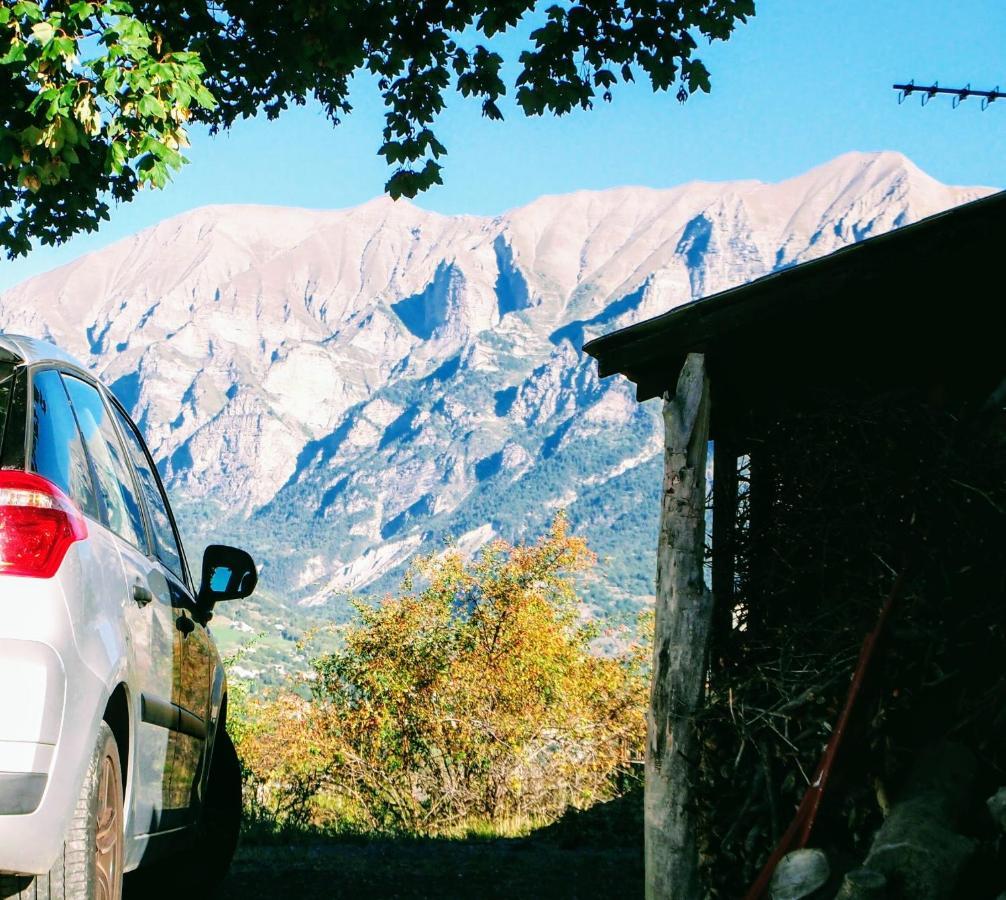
(39, 649)
(67, 644)
(33, 350)
(153, 673)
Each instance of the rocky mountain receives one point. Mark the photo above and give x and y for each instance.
(341, 390)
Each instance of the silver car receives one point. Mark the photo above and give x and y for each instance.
(113, 752)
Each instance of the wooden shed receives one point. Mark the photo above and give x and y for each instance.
(853, 634)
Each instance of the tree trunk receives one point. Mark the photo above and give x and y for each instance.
(681, 638)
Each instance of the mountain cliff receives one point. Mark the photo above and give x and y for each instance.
(340, 389)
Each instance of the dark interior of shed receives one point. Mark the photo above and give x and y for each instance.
(832, 505)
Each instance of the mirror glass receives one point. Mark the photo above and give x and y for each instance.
(220, 578)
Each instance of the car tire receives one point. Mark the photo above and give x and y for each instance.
(197, 871)
(90, 865)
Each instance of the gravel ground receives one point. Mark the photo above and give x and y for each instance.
(435, 869)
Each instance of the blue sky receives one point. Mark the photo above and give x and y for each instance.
(804, 81)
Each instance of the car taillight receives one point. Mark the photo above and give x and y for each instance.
(38, 523)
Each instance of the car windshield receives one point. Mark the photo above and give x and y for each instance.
(6, 381)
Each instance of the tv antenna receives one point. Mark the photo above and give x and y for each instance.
(928, 91)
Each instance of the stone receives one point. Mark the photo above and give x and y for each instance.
(919, 847)
(997, 808)
(799, 874)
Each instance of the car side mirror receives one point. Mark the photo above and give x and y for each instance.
(228, 574)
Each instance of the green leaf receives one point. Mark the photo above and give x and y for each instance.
(117, 157)
(64, 46)
(14, 55)
(31, 136)
(69, 132)
(150, 107)
(82, 10)
(9, 148)
(204, 98)
(27, 10)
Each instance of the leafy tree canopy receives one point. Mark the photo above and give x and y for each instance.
(95, 96)
(474, 695)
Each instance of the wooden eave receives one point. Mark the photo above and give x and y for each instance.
(923, 306)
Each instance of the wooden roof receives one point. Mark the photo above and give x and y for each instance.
(921, 306)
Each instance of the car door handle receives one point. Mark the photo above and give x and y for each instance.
(142, 595)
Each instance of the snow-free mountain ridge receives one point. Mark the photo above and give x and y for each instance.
(342, 389)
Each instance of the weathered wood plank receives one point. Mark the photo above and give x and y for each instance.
(681, 638)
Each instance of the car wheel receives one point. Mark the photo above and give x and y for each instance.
(197, 871)
(90, 866)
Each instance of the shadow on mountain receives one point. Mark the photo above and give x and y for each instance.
(425, 312)
(576, 332)
(512, 290)
(504, 400)
(419, 510)
(489, 466)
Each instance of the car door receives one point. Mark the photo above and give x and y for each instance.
(192, 687)
(150, 620)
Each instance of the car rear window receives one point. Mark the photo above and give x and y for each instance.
(114, 480)
(55, 449)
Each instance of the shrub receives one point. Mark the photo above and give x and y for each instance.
(475, 698)
(284, 758)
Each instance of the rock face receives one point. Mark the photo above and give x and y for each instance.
(997, 808)
(341, 389)
(919, 849)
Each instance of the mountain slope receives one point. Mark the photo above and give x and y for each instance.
(339, 390)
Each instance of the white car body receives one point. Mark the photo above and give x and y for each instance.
(113, 635)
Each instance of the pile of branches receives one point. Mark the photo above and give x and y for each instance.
(832, 506)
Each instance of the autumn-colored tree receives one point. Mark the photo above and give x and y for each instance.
(473, 695)
(284, 760)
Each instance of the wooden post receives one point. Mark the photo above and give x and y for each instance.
(680, 650)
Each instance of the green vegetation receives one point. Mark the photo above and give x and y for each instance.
(93, 106)
(471, 704)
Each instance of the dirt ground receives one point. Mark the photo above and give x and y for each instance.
(434, 869)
